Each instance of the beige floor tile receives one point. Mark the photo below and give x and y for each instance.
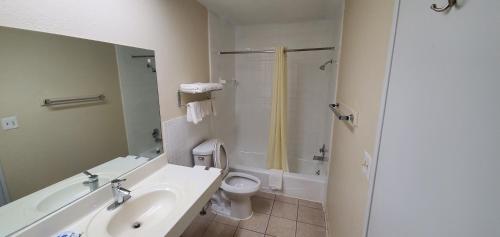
(289, 200)
(257, 223)
(265, 195)
(226, 220)
(247, 233)
(196, 229)
(262, 205)
(307, 230)
(310, 204)
(284, 210)
(311, 216)
(217, 229)
(281, 227)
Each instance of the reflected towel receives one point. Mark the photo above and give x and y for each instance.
(275, 179)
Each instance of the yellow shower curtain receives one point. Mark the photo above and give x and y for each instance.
(277, 147)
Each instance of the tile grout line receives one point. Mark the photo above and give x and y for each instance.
(269, 220)
(297, 221)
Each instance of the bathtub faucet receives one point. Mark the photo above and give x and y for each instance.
(322, 150)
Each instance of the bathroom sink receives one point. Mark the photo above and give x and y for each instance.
(66, 193)
(141, 215)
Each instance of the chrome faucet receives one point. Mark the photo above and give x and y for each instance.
(93, 180)
(322, 150)
(120, 194)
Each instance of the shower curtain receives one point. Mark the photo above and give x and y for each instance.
(277, 147)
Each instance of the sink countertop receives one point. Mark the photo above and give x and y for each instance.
(23, 211)
(195, 184)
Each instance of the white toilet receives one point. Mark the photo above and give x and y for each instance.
(233, 197)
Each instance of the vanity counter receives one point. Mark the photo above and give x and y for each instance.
(193, 188)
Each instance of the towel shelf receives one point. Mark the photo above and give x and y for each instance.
(339, 115)
(179, 96)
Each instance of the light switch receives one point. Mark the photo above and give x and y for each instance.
(9, 123)
(365, 165)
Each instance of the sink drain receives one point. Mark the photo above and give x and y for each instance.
(136, 225)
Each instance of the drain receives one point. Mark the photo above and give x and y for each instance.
(136, 225)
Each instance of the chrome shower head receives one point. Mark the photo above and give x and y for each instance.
(322, 67)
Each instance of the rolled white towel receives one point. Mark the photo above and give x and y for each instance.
(200, 87)
(275, 179)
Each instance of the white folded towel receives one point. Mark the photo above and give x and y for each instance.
(199, 87)
(197, 110)
(275, 179)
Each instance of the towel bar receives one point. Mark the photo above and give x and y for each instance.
(72, 100)
(339, 115)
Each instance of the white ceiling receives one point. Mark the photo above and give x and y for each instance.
(247, 12)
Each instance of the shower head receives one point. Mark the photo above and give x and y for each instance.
(322, 67)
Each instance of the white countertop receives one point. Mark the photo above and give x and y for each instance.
(21, 212)
(196, 186)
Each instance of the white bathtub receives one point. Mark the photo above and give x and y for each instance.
(301, 186)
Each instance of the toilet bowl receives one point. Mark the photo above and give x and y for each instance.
(238, 188)
(233, 198)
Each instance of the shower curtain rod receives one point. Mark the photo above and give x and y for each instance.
(273, 51)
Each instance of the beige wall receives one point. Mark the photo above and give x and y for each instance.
(364, 51)
(176, 29)
(52, 144)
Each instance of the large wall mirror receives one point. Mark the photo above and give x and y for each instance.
(75, 114)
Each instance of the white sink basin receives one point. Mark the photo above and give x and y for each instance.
(66, 193)
(142, 215)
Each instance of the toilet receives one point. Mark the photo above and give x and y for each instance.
(233, 197)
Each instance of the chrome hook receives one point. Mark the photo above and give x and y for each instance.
(451, 3)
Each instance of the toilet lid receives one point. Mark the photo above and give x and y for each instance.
(220, 157)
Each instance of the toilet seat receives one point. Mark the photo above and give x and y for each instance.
(220, 157)
(240, 183)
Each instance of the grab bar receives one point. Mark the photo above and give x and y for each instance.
(339, 115)
(72, 100)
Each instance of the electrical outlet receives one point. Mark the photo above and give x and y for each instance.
(9, 123)
(365, 164)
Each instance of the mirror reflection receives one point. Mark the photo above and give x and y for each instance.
(75, 114)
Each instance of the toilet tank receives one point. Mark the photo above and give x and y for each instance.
(203, 153)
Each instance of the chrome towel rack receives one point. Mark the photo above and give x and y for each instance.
(72, 100)
(339, 115)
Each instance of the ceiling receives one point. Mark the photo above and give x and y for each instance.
(248, 12)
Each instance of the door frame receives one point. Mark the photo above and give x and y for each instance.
(383, 100)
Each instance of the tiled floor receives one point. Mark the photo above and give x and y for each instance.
(276, 216)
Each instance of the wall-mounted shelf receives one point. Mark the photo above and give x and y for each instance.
(193, 89)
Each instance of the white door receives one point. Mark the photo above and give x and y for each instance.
(438, 172)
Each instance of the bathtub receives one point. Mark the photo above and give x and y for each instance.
(308, 187)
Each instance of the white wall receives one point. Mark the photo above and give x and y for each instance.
(139, 93)
(183, 137)
(310, 91)
(439, 155)
(221, 37)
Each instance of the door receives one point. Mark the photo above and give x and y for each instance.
(437, 173)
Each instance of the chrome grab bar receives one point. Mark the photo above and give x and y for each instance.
(72, 100)
(339, 115)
